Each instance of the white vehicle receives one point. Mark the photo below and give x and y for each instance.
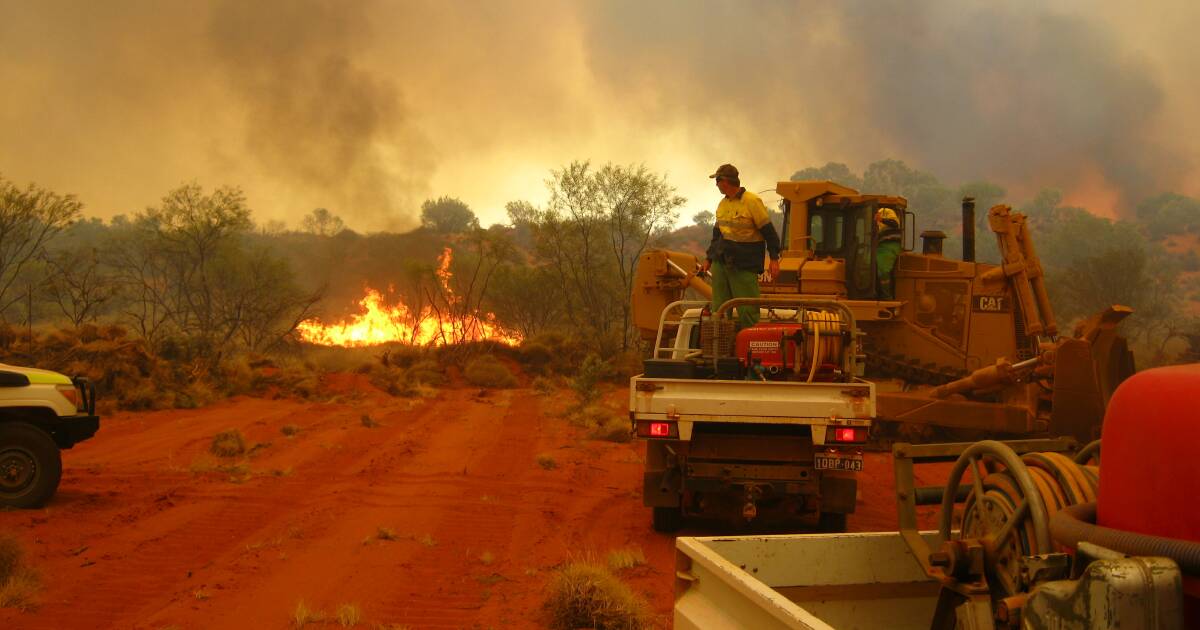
(41, 412)
(770, 420)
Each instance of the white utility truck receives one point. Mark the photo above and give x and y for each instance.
(763, 423)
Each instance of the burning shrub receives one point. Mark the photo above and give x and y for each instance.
(586, 595)
(487, 371)
(18, 582)
(228, 444)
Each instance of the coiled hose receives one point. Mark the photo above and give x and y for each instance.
(1077, 523)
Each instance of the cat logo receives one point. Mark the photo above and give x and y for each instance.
(991, 303)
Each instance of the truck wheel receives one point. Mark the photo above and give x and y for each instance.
(832, 522)
(667, 519)
(30, 465)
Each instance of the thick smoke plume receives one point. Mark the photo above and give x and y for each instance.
(367, 108)
(316, 117)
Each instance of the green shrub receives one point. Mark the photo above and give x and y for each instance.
(552, 353)
(586, 595)
(587, 380)
(535, 357)
(487, 371)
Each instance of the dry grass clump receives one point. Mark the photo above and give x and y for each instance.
(544, 385)
(386, 533)
(546, 462)
(289, 430)
(303, 615)
(602, 423)
(626, 558)
(418, 379)
(427, 541)
(294, 377)
(18, 582)
(348, 615)
(229, 443)
(369, 422)
(587, 595)
(392, 380)
(238, 473)
(426, 372)
(487, 371)
(487, 558)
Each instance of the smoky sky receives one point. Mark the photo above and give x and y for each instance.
(367, 108)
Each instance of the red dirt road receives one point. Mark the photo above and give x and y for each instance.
(144, 533)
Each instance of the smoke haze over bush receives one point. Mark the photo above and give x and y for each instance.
(367, 108)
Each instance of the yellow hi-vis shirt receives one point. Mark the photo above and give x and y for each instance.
(740, 218)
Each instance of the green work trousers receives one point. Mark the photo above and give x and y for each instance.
(728, 283)
(886, 254)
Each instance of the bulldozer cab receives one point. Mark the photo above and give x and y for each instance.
(823, 220)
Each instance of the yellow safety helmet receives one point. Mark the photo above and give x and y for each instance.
(887, 215)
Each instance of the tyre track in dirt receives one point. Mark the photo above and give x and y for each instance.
(458, 486)
(138, 538)
(186, 527)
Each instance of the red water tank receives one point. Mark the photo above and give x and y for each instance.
(1150, 458)
(1150, 454)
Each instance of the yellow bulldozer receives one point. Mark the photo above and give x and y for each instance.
(963, 348)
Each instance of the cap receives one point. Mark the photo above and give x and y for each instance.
(726, 170)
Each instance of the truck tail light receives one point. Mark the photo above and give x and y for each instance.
(657, 429)
(849, 435)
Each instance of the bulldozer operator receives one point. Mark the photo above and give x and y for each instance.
(741, 237)
(887, 250)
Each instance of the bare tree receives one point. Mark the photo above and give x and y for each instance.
(77, 284)
(597, 224)
(185, 266)
(458, 297)
(323, 223)
(29, 218)
(640, 206)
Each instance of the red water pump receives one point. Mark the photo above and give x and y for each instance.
(807, 347)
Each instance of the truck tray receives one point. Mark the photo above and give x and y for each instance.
(781, 402)
(812, 581)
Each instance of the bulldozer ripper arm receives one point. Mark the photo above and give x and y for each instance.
(1024, 269)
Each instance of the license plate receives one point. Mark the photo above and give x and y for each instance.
(839, 462)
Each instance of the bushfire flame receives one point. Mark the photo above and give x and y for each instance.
(377, 322)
